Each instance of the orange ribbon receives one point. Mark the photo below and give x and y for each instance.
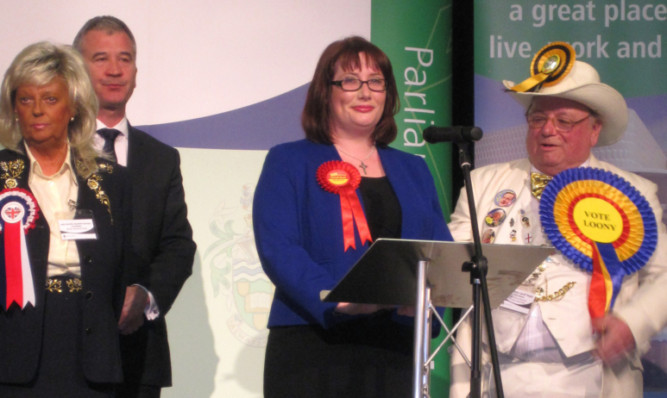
(342, 178)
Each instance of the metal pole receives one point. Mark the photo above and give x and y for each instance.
(420, 327)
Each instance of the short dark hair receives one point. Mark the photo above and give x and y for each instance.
(107, 23)
(346, 54)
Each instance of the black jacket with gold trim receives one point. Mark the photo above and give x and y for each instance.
(102, 262)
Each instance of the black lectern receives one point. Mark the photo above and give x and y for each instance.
(426, 274)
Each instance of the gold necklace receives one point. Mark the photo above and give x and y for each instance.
(361, 165)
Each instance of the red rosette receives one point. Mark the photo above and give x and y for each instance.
(342, 179)
(18, 212)
(23, 200)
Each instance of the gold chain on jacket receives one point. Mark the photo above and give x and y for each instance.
(10, 171)
(94, 184)
(542, 294)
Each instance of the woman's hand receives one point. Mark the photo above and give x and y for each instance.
(359, 309)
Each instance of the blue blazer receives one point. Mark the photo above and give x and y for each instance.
(298, 227)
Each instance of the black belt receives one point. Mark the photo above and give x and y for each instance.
(63, 285)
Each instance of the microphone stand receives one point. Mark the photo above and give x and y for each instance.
(478, 268)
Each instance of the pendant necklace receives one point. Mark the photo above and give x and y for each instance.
(361, 165)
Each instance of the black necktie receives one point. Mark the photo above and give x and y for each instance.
(109, 136)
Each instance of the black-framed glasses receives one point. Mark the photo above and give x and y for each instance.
(537, 120)
(354, 84)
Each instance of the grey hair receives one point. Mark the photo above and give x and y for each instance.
(106, 23)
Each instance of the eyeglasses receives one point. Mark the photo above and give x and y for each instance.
(354, 84)
(537, 120)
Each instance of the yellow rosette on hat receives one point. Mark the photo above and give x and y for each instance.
(603, 224)
(549, 66)
(554, 72)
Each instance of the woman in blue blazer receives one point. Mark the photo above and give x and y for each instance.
(319, 204)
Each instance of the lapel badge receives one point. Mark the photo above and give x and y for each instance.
(504, 198)
(495, 217)
(525, 221)
(488, 236)
(10, 171)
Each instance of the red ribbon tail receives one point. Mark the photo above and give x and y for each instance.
(14, 274)
(348, 222)
(362, 225)
(352, 214)
(597, 295)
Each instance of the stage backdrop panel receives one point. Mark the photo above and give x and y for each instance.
(417, 40)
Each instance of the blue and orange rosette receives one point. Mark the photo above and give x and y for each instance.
(342, 179)
(603, 224)
(18, 213)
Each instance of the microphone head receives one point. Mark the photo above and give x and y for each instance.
(434, 134)
(430, 134)
(475, 134)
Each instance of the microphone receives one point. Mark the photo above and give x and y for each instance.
(435, 134)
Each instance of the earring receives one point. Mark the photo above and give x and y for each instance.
(71, 119)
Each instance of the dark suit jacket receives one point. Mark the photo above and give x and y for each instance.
(101, 266)
(162, 237)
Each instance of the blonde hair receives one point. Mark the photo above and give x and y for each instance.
(39, 64)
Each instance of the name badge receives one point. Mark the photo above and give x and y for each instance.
(519, 301)
(82, 228)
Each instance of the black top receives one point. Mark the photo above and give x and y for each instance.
(383, 212)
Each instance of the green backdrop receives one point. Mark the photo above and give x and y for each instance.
(417, 38)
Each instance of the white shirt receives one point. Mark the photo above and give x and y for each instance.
(56, 196)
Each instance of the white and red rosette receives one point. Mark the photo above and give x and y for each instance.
(342, 179)
(18, 212)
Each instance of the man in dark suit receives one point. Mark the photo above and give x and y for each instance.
(160, 229)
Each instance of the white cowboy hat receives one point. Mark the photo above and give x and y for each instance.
(582, 84)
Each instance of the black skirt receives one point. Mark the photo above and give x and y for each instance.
(60, 373)
(368, 357)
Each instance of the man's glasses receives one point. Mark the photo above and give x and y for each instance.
(354, 84)
(537, 120)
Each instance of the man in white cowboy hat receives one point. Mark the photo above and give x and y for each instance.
(548, 344)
